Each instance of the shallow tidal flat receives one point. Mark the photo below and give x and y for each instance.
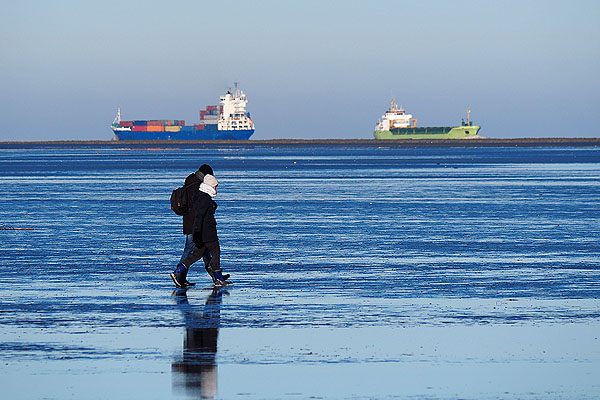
(358, 272)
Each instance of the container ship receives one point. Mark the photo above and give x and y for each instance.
(227, 121)
(397, 124)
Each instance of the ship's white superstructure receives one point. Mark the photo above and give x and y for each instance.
(234, 115)
(395, 117)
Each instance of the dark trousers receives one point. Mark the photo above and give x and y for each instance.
(215, 254)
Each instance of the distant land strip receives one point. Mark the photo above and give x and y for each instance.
(524, 142)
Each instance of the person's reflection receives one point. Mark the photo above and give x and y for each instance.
(196, 373)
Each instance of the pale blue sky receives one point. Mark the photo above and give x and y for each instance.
(311, 69)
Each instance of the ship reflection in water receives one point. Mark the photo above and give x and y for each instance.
(195, 375)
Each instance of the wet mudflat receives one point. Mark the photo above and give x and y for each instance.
(358, 273)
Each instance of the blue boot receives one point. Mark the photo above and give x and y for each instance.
(184, 280)
(219, 280)
(212, 274)
(179, 274)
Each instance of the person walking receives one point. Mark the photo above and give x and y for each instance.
(192, 183)
(204, 236)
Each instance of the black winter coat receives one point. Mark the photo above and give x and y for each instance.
(205, 226)
(190, 216)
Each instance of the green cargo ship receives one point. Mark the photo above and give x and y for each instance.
(396, 124)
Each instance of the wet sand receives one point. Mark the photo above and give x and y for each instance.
(160, 353)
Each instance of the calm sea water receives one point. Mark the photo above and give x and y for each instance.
(359, 272)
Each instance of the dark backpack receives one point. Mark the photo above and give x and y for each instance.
(179, 200)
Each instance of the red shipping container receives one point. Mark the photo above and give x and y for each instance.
(139, 128)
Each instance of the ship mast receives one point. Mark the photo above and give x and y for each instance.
(117, 119)
(468, 115)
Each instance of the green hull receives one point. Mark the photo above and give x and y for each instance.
(437, 132)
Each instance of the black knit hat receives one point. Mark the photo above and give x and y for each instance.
(204, 169)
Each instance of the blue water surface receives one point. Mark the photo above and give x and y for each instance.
(346, 239)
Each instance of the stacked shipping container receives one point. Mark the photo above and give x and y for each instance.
(211, 114)
(153, 125)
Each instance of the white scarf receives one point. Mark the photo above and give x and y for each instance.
(209, 190)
